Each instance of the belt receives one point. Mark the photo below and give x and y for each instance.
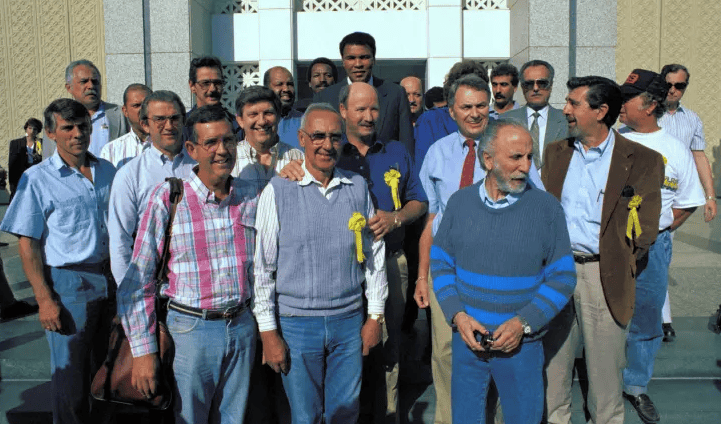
(582, 258)
(96, 268)
(665, 229)
(210, 314)
(393, 253)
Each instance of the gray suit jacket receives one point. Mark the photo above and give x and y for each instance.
(394, 122)
(117, 126)
(556, 127)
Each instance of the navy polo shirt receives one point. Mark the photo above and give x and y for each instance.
(380, 158)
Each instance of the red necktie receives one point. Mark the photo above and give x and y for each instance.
(468, 164)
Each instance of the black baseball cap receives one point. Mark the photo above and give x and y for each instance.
(641, 81)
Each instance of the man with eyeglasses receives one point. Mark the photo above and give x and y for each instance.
(206, 82)
(315, 247)
(208, 286)
(545, 122)
(162, 115)
(280, 80)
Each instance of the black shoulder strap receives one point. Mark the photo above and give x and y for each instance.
(176, 193)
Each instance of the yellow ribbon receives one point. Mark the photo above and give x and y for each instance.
(38, 147)
(633, 221)
(392, 177)
(356, 224)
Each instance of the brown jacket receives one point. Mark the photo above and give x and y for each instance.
(633, 166)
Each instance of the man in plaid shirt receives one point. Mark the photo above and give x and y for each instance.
(210, 258)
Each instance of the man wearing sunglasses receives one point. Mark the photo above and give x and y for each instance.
(546, 123)
(684, 124)
(208, 284)
(315, 247)
(162, 116)
(206, 82)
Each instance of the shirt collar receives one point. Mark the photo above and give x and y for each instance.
(348, 148)
(543, 112)
(204, 192)
(253, 154)
(155, 152)
(100, 112)
(462, 139)
(58, 163)
(508, 200)
(370, 81)
(338, 177)
(601, 148)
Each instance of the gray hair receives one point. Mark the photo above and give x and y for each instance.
(319, 107)
(74, 64)
(487, 143)
(537, 62)
(345, 93)
(648, 100)
(470, 80)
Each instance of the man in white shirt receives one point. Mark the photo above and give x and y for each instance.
(644, 94)
(122, 149)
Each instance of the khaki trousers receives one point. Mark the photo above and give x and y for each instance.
(586, 322)
(441, 358)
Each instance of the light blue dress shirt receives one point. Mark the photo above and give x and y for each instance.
(441, 171)
(583, 191)
(501, 203)
(130, 196)
(65, 211)
(288, 128)
(101, 131)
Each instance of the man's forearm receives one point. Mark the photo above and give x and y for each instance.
(424, 247)
(412, 211)
(704, 172)
(680, 216)
(31, 257)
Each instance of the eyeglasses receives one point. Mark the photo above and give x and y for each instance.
(543, 84)
(160, 120)
(205, 84)
(213, 144)
(319, 137)
(678, 85)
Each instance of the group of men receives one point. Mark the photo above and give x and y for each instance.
(286, 246)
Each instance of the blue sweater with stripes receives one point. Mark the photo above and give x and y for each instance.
(495, 264)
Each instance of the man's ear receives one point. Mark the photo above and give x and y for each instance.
(239, 121)
(301, 141)
(602, 112)
(487, 160)
(191, 148)
(343, 111)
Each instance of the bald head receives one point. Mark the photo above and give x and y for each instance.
(360, 110)
(280, 80)
(414, 90)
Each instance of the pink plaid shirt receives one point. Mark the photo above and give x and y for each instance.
(211, 255)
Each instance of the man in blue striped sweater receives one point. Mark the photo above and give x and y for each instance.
(502, 266)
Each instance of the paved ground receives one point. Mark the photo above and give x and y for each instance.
(686, 385)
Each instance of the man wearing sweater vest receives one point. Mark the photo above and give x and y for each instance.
(482, 292)
(610, 189)
(644, 94)
(315, 255)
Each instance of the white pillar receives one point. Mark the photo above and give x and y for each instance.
(445, 39)
(276, 34)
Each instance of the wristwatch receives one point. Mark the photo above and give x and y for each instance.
(378, 317)
(526, 327)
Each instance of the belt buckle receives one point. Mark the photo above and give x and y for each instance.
(229, 312)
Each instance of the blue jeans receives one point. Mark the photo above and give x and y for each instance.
(80, 347)
(645, 330)
(518, 377)
(325, 367)
(213, 361)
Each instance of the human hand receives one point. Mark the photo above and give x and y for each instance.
(49, 314)
(709, 210)
(293, 171)
(275, 351)
(371, 335)
(144, 377)
(508, 336)
(467, 327)
(420, 295)
(382, 223)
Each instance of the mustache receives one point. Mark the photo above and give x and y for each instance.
(499, 96)
(89, 92)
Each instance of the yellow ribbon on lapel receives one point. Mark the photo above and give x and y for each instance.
(633, 222)
(38, 147)
(392, 177)
(356, 224)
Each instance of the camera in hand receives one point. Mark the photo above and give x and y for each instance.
(486, 340)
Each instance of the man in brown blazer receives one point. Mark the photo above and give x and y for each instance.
(603, 181)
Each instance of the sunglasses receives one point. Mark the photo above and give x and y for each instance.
(543, 84)
(678, 85)
(319, 137)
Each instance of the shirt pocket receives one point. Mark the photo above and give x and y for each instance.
(70, 215)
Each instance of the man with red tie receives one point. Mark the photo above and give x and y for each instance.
(449, 165)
